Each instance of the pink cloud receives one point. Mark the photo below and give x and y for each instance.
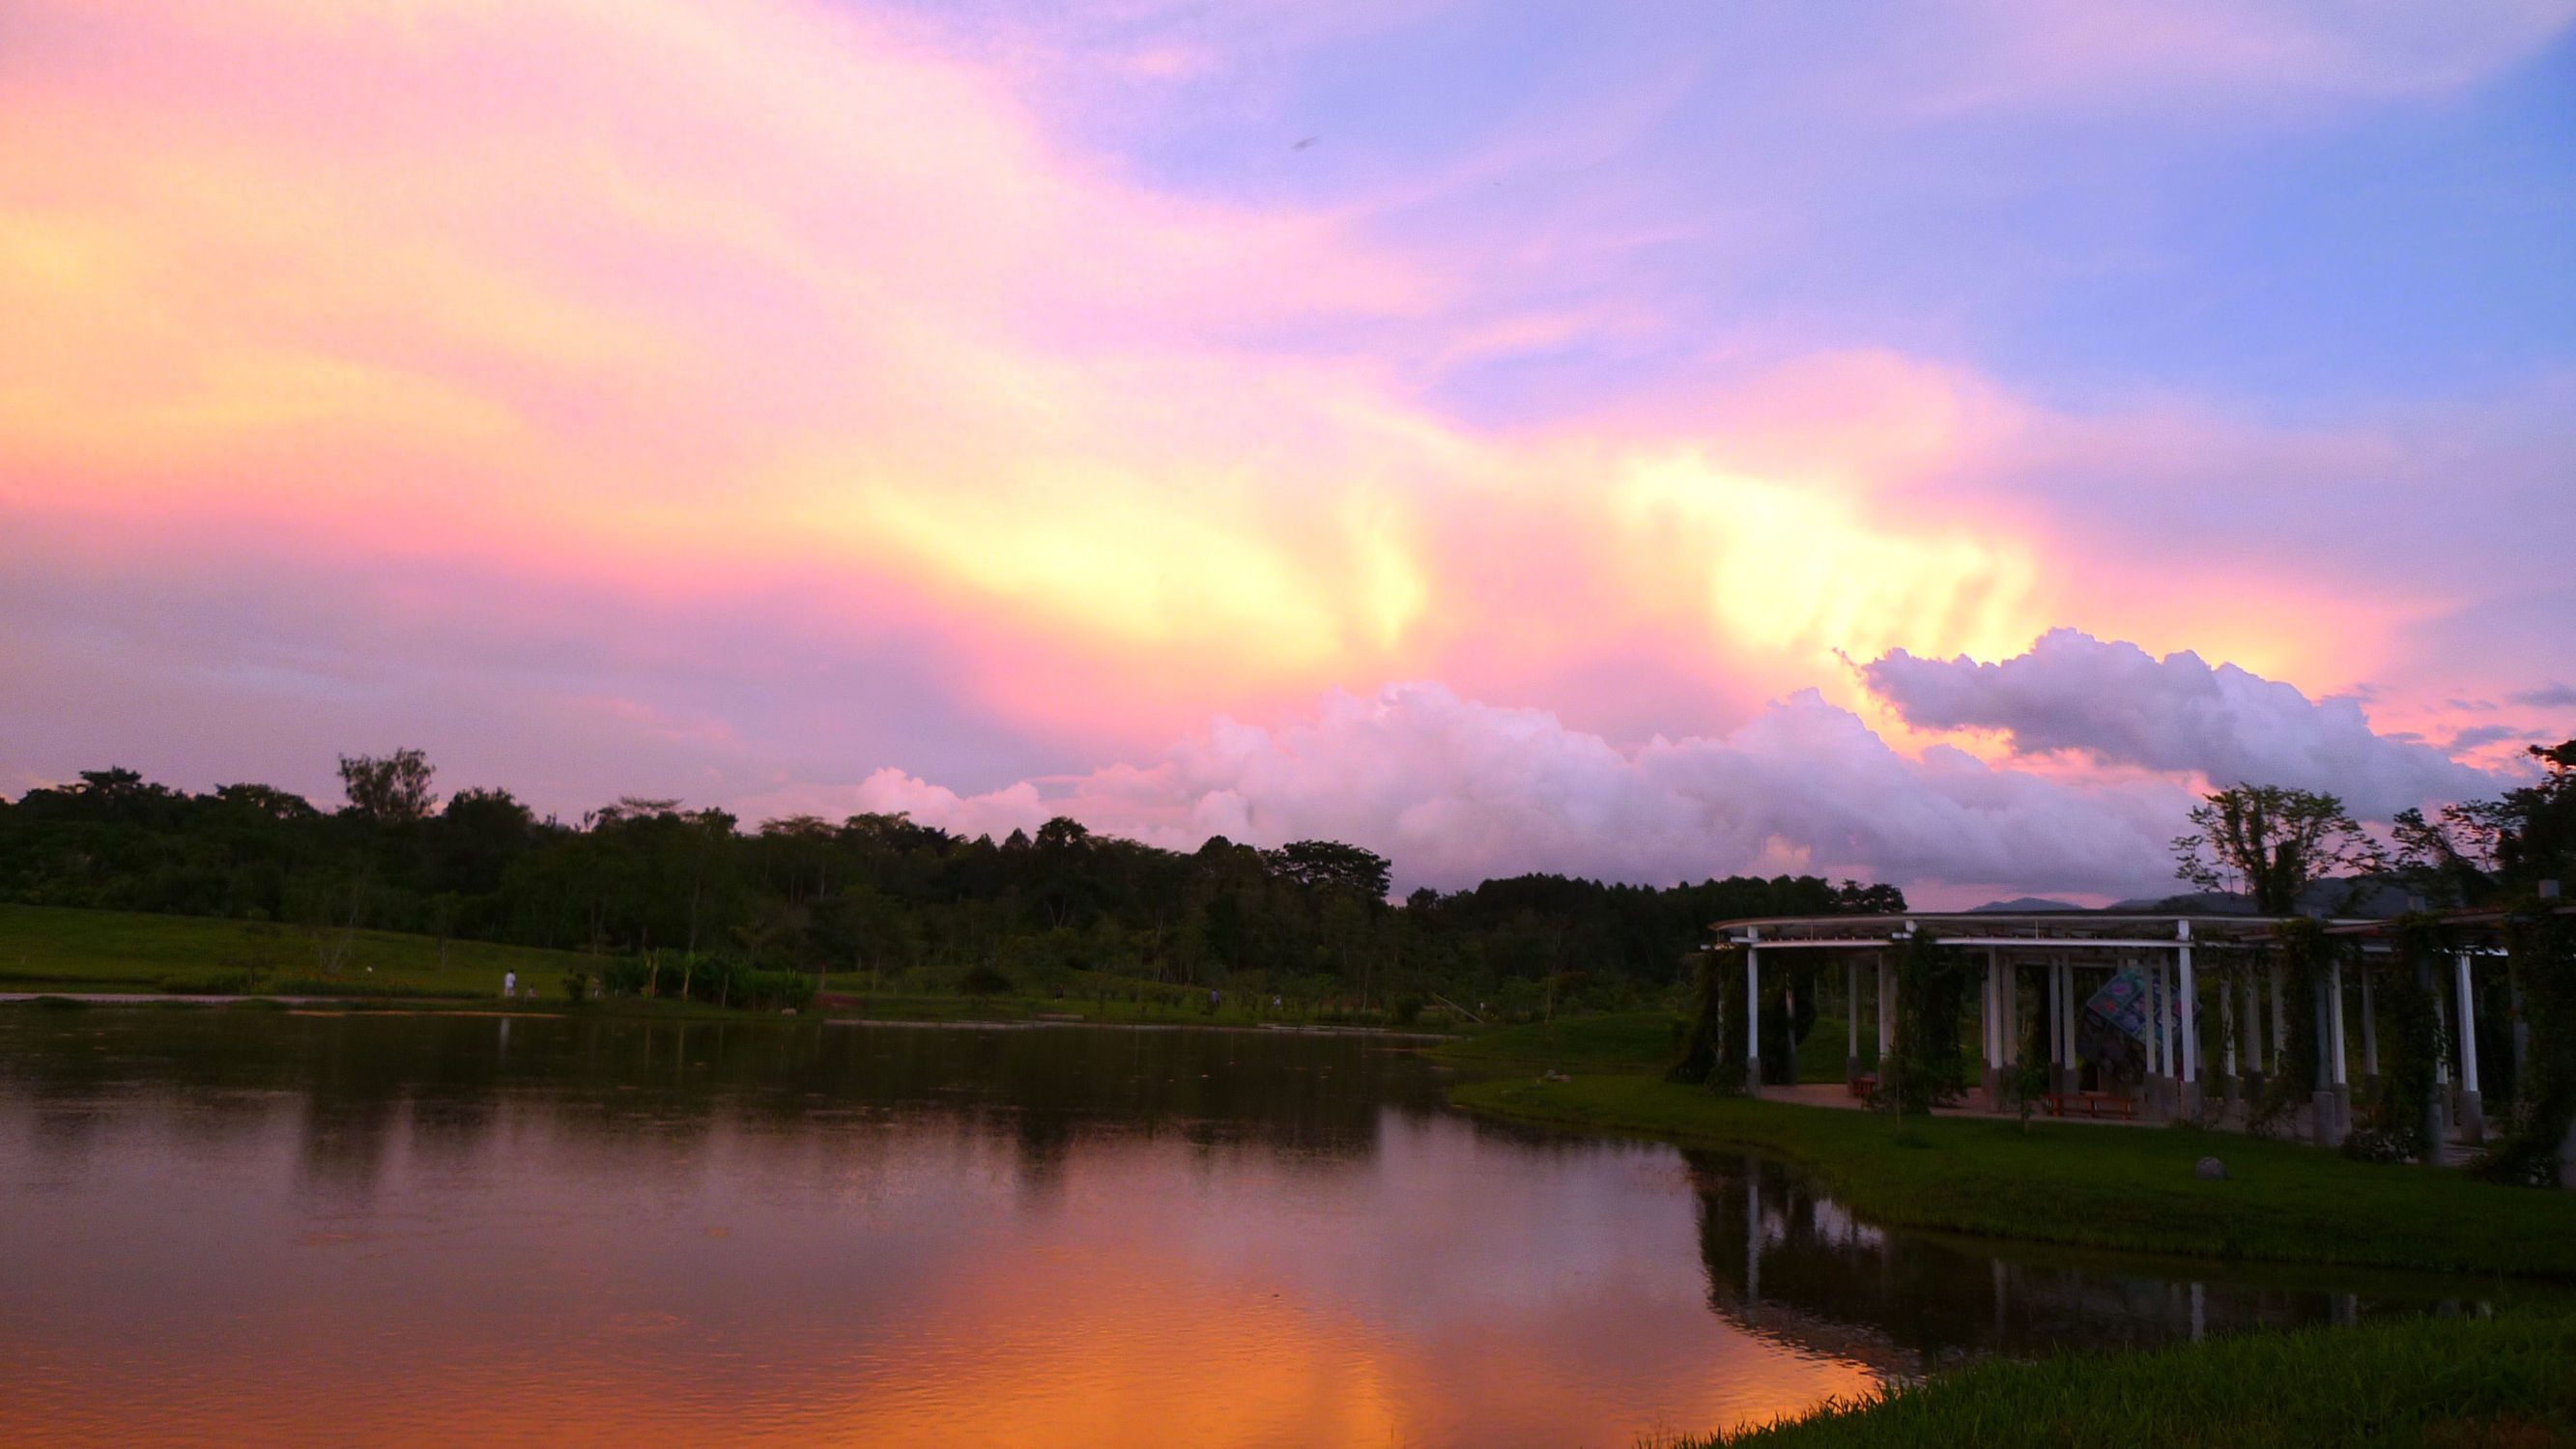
(670, 383)
(1454, 791)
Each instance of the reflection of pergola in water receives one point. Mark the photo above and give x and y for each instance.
(2071, 951)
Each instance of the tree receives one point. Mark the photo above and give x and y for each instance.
(1929, 1066)
(1329, 865)
(1063, 835)
(393, 790)
(2449, 860)
(2536, 826)
(2269, 842)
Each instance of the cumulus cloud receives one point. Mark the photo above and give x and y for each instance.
(1454, 791)
(2123, 706)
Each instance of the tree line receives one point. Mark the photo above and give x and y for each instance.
(880, 902)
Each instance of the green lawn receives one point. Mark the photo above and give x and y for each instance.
(1642, 1041)
(2117, 1187)
(2507, 1382)
(49, 948)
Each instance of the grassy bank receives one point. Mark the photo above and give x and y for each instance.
(47, 948)
(53, 949)
(2508, 1382)
(2130, 1189)
(1640, 1042)
(1637, 1041)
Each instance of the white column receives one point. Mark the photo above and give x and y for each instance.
(2226, 1028)
(2190, 1021)
(2473, 1112)
(1994, 1082)
(2066, 1003)
(2012, 1016)
(2165, 1015)
(2253, 1026)
(2442, 1028)
(2280, 1018)
(1752, 1011)
(2334, 1018)
(2056, 1047)
(1886, 1011)
(1986, 1011)
(2468, 1028)
(1851, 1009)
(2369, 1032)
(2171, 1087)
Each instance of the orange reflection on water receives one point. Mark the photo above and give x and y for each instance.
(1108, 1349)
(444, 1262)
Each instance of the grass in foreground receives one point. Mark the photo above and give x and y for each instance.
(2129, 1189)
(2509, 1383)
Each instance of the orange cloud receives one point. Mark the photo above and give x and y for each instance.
(697, 301)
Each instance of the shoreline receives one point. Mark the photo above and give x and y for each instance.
(2063, 1186)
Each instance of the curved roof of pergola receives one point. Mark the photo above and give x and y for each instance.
(2064, 930)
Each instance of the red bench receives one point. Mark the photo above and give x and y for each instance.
(2093, 1103)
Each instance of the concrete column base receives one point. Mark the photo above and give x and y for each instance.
(1994, 1087)
(2321, 1116)
(2473, 1117)
(2191, 1100)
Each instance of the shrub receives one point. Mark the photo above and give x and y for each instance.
(210, 983)
(984, 979)
(2370, 1144)
(626, 976)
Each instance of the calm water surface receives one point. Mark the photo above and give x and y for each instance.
(254, 1227)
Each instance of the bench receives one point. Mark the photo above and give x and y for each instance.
(2093, 1103)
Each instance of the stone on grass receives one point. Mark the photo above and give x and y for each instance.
(2210, 1169)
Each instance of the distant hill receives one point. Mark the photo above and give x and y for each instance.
(2026, 906)
(2372, 899)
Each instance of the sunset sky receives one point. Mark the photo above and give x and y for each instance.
(1923, 443)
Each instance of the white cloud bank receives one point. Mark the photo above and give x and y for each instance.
(1454, 791)
(2122, 706)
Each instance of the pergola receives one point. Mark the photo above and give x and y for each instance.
(2059, 943)
(2477, 935)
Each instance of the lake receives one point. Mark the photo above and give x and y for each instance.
(261, 1227)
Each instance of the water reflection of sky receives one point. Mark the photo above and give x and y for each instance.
(260, 1228)
(1096, 1248)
